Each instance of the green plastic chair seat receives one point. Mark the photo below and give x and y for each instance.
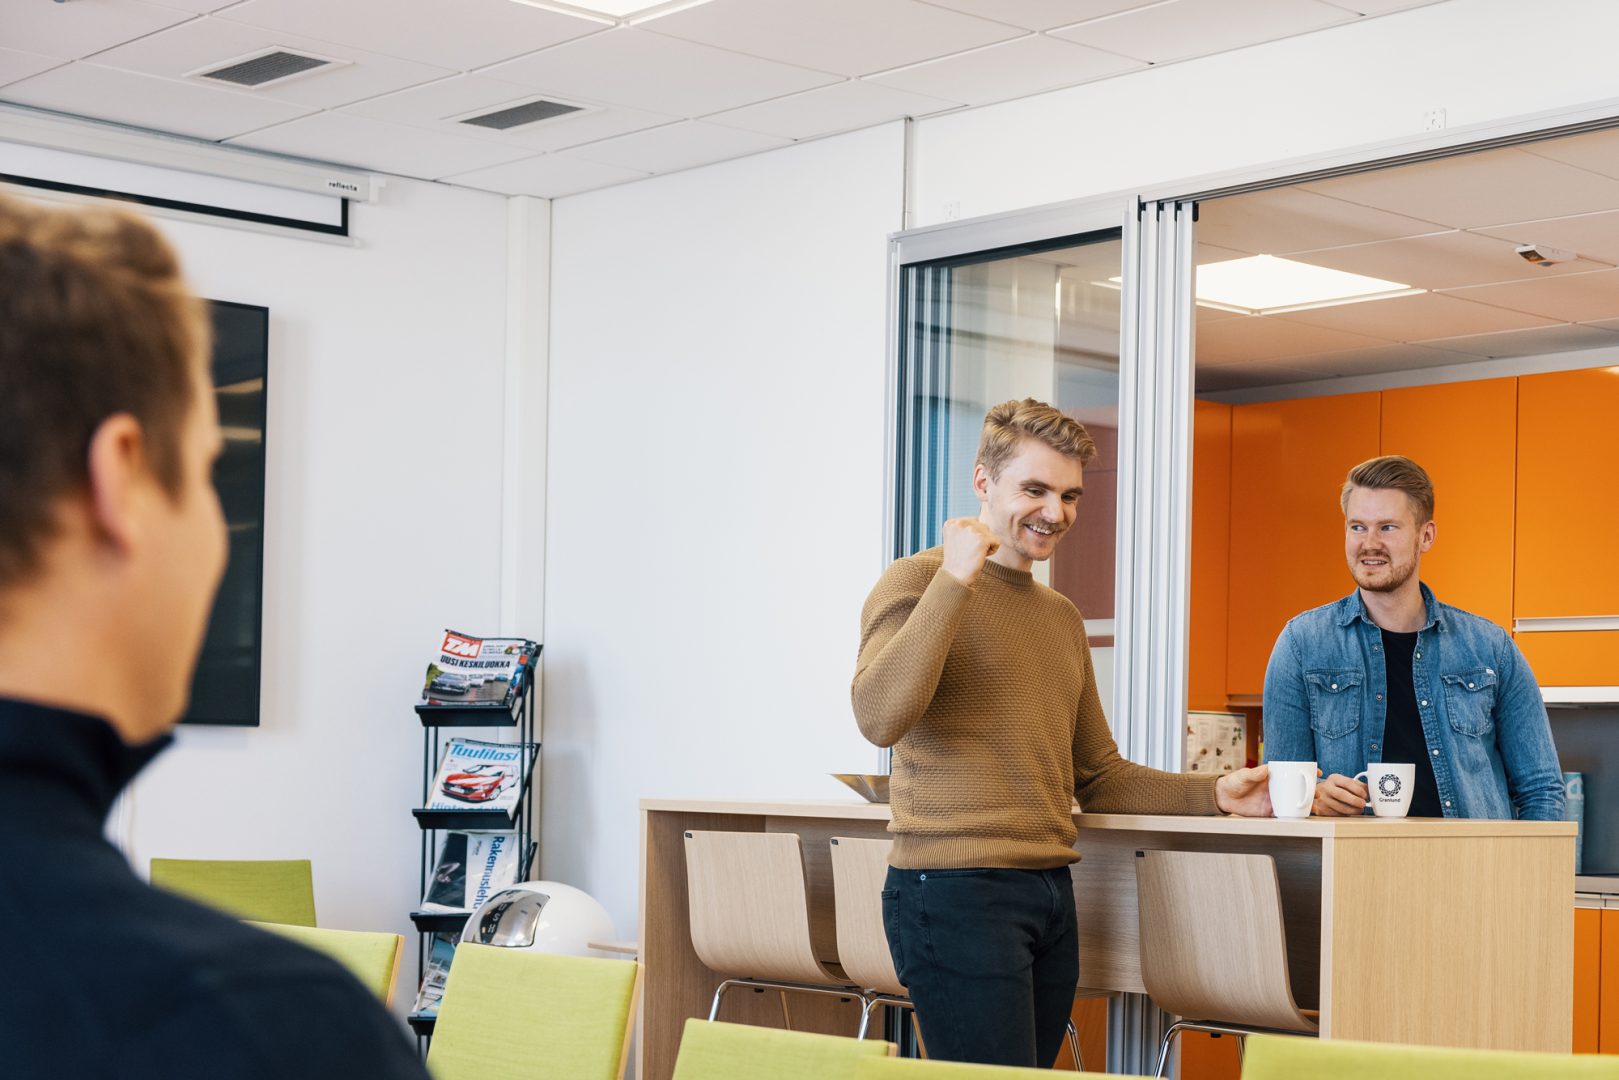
(713, 1050)
(1280, 1057)
(922, 1069)
(511, 1014)
(264, 890)
(372, 957)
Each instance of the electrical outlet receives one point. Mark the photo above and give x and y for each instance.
(1433, 120)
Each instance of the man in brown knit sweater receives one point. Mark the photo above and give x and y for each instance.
(980, 679)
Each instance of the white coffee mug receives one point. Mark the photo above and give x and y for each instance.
(1292, 788)
(1388, 787)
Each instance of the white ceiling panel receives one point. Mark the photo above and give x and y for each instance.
(678, 146)
(144, 101)
(1570, 298)
(1018, 68)
(1476, 190)
(550, 176)
(1181, 28)
(459, 35)
(199, 7)
(69, 31)
(1377, 360)
(1416, 318)
(1591, 236)
(15, 65)
(1554, 339)
(1445, 260)
(1256, 339)
(435, 106)
(1212, 378)
(843, 106)
(1040, 14)
(1597, 151)
(211, 42)
(1291, 219)
(1380, 7)
(658, 74)
(360, 142)
(850, 37)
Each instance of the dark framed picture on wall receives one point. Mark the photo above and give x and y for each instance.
(225, 689)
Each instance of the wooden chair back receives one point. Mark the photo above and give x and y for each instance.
(749, 910)
(1212, 943)
(859, 867)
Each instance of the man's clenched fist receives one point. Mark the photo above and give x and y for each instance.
(968, 542)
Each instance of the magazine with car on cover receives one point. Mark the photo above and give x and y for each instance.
(435, 974)
(477, 671)
(471, 867)
(474, 775)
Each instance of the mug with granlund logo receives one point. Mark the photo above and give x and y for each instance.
(1388, 787)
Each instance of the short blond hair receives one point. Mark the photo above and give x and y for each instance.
(1010, 422)
(1391, 472)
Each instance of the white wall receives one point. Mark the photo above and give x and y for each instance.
(715, 513)
(382, 527)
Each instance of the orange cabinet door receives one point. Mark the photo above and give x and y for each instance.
(1211, 555)
(1567, 516)
(1587, 978)
(1463, 435)
(1608, 984)
(1288, 461)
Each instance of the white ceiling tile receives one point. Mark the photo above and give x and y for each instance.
(1380, 7)
(1591, 236)
(1255, 339)
(678, 146)
(15, 65)
(359, 142)
(1552, 339)
(1445, 260)
(550, 176)
(1018, 68)
(1286, 220)
(436, 106)
(850, 37)
(70, 31)
(124, 97)
(1476, 190)
(1416, 318)
(842, 106)
(1569, 298)
(198, 7)
(1377, 360)
(211, 42)
(459, 35)
(1597, 151)
(646, 71)
(1040, 14)
(1212, 378)
(1181, 28)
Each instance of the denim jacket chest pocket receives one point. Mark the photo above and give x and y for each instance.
(1470, 701)
(1334, 702)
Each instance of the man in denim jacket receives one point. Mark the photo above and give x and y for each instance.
(1389, 673)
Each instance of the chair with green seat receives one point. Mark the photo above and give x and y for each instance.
(264, 890)
(1283, 1057)
(924, 1069)
(513, 1014)
(372, 957)
(715, 1050)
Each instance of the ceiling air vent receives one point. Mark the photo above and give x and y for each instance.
(264, 68)
(517, 115)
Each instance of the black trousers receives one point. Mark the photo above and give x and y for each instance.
(990, 957)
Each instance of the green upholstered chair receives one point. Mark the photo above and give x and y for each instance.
(371, 956)
(922, 1069)
(511, 1014)
(266, 890)
(713, 1050)
(1281, 1057)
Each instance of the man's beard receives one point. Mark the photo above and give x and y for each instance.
(1396, 576)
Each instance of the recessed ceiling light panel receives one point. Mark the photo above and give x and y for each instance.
(1265, 284)
(615, 11)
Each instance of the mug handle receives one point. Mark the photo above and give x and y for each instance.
(1363, 773)
(1306, 796)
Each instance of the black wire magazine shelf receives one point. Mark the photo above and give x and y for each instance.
(490, 714)
(486, 819)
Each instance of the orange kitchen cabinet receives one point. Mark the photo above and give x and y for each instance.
(1608, 983)
(1567, 515)
(1090, 1020)
(1288, 461)
(1463, 435)
(1587, 978)
(1211, 555)
(1208, 1057)
(1572, 657)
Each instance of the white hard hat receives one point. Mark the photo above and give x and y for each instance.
(545, 916)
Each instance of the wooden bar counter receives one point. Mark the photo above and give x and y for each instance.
(1453, 933)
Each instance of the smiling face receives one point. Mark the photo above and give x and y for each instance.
(1383, 540)
(1032, 504)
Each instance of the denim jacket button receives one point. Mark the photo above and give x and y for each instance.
(1335, 686)
(1470, 686)
(1425, 703)
(1436, 753)
(1418, 656)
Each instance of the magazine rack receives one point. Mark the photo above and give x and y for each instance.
(522, 715)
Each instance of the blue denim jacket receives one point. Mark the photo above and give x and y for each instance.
(1481, 709)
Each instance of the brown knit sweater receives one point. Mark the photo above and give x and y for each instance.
(988, 698)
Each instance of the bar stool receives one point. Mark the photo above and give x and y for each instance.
(1213, 950)
(859, 867)
(749, 916)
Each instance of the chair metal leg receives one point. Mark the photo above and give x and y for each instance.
(719, 992)
(1073, 1045)
(865, 1016)
(1163, 1050)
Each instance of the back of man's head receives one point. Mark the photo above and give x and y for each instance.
(95, 321)
(1009, 423)
(1392, 472)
